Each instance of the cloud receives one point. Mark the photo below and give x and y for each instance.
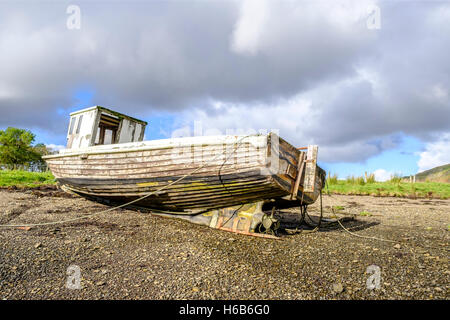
(436, 153)
(292, 119)
(250, 26)
(382, 175)
(311, 69)
(55, 147)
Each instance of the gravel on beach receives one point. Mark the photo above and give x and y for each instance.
(127, 254)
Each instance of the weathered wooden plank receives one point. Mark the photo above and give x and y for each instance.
(255, 140)
(300, 165)
(205, 202)
(174, 153)
(188, 187)
(191, 196)
(311, 169)
(181, 186)
(156, 171)
(154, 161)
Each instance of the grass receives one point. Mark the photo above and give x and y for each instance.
(21, 178)
(332, 179)
(356, 180)
(395, 179)
(393, 188)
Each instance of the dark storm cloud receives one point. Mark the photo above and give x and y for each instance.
(358, 85)
(404, 85)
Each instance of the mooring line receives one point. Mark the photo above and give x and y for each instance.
(375, 238)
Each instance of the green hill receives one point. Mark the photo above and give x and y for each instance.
(438, 174)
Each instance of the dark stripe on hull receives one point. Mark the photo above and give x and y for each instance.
(191, 193)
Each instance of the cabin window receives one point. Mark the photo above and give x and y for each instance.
(79, 124)
(107, 130)
(72, 124)
(109, 136)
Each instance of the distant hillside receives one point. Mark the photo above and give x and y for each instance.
(438, 174)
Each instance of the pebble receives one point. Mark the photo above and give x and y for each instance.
(337, 287)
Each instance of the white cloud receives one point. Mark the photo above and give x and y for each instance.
(55, 147)
(272, 27)
(250, 26)
(436, 153)
(440, 92)
(292, 118)
(382, 175)
(284, 114)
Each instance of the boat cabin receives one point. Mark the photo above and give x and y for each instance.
(100, 126)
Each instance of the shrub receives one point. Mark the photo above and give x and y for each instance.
(351, 179)
(355, 180)
(371, 178)
(396, 179)
(360, 181)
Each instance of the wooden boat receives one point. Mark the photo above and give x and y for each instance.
(189, 176)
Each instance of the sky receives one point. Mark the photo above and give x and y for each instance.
(368, 81)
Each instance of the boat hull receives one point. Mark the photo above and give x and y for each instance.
(185, 175)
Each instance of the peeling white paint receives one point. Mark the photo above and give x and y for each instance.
(83, 135)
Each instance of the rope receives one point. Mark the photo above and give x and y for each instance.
(223, 184)
(304, 213)
(374, 238)
(122, 205)
(348, 231)
(317, 226)
(358, 235)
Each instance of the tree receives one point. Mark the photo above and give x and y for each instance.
(42, 150)
(37, 163)
(16, 147)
